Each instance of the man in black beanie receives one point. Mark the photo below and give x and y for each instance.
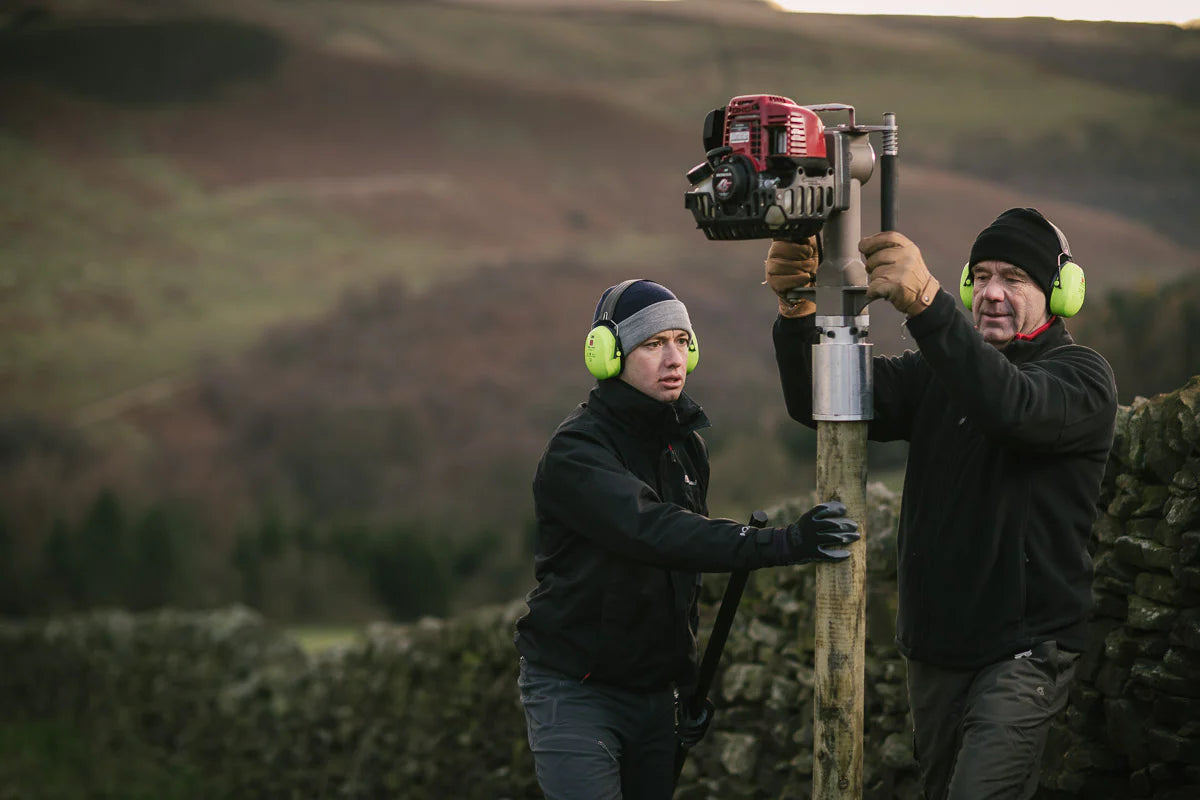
(1009, 425)
(609, 640)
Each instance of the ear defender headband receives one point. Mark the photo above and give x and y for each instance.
(602, 350)
(1066, 290)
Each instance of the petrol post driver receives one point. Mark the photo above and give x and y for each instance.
(773, 169)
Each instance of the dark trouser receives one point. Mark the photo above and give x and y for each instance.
(597, 742)
(980, 733)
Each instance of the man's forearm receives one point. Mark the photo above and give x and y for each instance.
(793, 339)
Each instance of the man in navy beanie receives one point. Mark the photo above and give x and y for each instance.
(608, 647)
(1009, 424)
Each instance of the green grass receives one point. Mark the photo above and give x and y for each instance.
(101, 291)
(44, 760)
(315, 638)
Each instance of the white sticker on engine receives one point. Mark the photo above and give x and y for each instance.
(739, 135)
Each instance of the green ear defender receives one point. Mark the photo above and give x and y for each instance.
(966, 287)
(1066, 298)
(602, 348)
(1067, 291)
(1066, 294)
(602, 351)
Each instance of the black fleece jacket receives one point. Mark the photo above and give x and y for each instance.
(1007, 449)
(622, 535)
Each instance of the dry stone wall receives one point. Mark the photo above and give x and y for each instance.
(430, 710)
(1132, 728)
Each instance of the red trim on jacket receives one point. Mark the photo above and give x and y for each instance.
(1029, 336)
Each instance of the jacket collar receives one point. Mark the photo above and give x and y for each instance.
(1025, 347)
(626, 406)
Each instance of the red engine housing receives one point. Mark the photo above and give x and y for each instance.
(759, 126)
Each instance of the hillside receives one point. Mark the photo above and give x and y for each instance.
(335, 261)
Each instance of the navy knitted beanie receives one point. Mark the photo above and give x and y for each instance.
(644, 309)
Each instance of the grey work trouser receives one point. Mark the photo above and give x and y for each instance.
(597, 742)
(979, 734)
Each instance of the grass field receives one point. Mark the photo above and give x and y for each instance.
(315, 639)
(103, 289)
(48, 760)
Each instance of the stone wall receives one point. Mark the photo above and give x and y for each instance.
(430, 710)
(1132, 728)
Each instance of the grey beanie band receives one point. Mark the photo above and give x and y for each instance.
(642, 309)
(665, 315)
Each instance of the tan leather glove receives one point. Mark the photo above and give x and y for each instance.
(792, 265)
(897, 273)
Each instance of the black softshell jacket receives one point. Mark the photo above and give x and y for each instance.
(622, 536)
(1007, 449)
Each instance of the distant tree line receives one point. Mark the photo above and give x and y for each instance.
(1150, 334)
(115, 556)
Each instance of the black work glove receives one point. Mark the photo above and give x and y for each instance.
(691, 730)
(819, 535)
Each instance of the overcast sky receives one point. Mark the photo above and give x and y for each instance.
(1117, 10)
